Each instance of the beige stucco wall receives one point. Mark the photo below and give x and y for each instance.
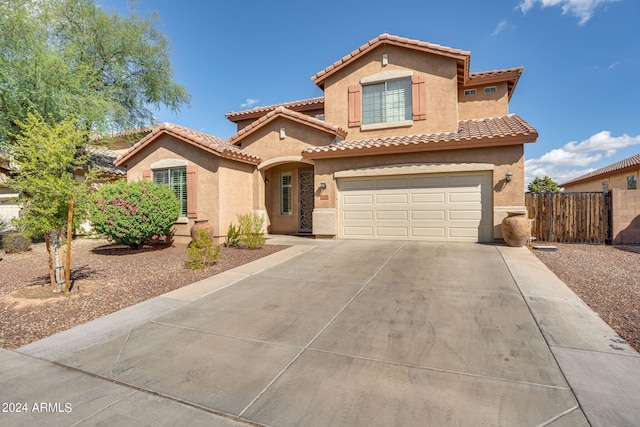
(236, 184)
(441, 87)
(509, 158)
(618, 180)
(167, 147)
(267, 144)
(483, 105)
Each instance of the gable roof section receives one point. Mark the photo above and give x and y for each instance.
(103, 159)
(462, 57)
(289, 115)
(209, 143)
(631, 163)
(300, 105)
(507, 130)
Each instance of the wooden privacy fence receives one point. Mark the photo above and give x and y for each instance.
(570, 217)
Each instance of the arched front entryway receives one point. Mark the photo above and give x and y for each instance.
(289, 194)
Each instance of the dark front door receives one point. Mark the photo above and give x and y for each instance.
(305, 200)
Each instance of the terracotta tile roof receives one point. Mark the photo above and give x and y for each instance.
(505, 129)
(629, 163)
(300, 105)
(460, 55)
(494, 73)
(103, 160)
(202, 140)
(292, 115)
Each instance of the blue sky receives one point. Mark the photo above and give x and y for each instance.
(580, 86)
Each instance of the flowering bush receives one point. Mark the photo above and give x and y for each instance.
(134, 213)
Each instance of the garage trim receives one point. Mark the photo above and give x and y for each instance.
(414, 169)
(405, 228)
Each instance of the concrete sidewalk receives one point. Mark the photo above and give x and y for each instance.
(339, 333)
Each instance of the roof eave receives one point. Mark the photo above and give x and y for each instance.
(121, 162)
(430, 146)
(242, 134)
(580, 180)
(460, 56)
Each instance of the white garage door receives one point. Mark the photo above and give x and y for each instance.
(437, 207)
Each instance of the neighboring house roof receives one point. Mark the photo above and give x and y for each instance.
(300, 105)
(103, 160)
(495, 131)
(462, 57)
(631, 163)
(290, 115)
(209, 143)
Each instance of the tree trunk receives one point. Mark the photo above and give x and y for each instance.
(67, 265)
(52, 276)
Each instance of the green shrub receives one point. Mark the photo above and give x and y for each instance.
(233, 236)
(251, 230)
(134, 213)
(200, 251)
(16, 242)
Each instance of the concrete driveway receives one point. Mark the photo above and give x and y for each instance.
(341, 333)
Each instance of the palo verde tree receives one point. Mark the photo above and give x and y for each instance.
(543, 185)
(66, 58)
(45, 157)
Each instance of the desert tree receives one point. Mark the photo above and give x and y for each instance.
(543, 185)
(45, 157)
(66, 58)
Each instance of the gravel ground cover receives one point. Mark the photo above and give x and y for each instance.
(607, 278)
(105, 278)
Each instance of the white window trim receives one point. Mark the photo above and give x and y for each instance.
(374, 126)
(385, 76)
(490, 89)
(169, 164)
(470, 92)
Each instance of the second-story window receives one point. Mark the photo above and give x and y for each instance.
(386, 102)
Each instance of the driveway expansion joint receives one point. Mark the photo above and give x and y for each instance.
(297, 356)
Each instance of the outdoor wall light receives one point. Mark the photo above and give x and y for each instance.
(509, 176)
(323, 185)
(266, 181)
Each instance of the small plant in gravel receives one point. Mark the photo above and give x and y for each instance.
(252, 230)
(133, 213)
(16, 243)
(200, 251)
(233, 236)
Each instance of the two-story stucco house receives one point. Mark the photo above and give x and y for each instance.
(406, 143)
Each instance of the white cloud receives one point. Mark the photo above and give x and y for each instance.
(614, 65)
(249, 102)
(502, 25)
(571, 161)
(583, 9)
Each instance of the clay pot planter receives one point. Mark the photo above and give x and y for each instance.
(201, 224)
(516, 228)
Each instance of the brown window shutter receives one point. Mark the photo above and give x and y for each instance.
(146, 175)
(355, 105)
(419, 97)
(192, 191)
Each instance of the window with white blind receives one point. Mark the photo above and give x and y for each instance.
(286, 193)
(176, 178)
(386, 102)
